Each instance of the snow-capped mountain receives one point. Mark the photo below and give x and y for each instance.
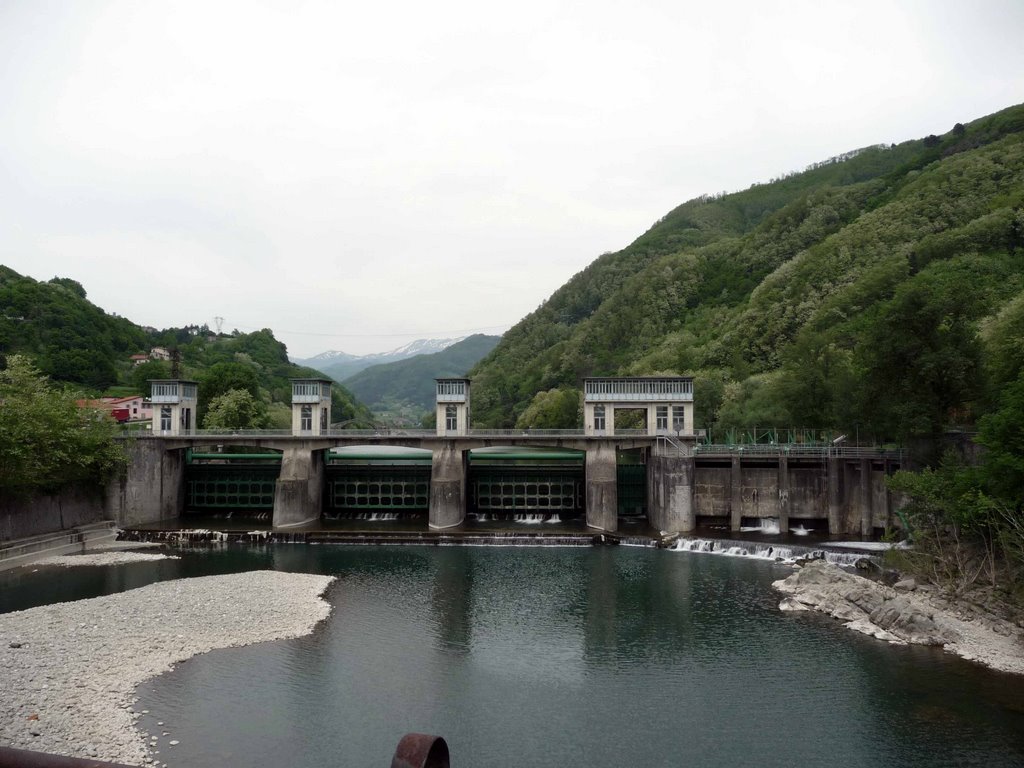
(340, 365)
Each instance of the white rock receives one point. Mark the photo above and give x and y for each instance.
(917, 616)
(792, 604)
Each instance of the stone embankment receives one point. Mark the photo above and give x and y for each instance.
(68, 672)
(904, 614)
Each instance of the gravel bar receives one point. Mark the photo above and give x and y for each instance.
(103, 558)
(68, 671)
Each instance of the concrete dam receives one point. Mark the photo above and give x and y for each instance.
(600, 474)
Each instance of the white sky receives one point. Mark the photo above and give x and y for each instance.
(358, 175)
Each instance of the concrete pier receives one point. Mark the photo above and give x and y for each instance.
(447, 486)
(784, 505)
(736, 494)
(866, 495)
(670, 493)
(835, 494)
(153, 486)
(298, 494)
(602, 487)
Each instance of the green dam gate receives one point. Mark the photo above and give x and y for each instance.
(374, 482)
(230, 482)
(510, 482)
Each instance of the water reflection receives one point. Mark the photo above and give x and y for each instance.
(451, 599)
(553, 657)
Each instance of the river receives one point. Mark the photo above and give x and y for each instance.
(607, 656)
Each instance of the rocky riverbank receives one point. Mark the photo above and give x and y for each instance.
(905, 613)
(68, 671)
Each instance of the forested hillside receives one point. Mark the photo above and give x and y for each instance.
(406, 388)
(76, 343)
(882, 290)
(69, 338)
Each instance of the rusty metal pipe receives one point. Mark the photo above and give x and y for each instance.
(415, 750)
(420, 750)
(23, 758)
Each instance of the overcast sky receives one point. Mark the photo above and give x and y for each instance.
(358, 175)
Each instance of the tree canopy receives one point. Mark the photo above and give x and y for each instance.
(47, 441)
(235, 409)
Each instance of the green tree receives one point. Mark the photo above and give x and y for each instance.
(235, 409)
(223, 377)
(72, 285)
(141, 375)
(47, 442)
(553, 409)
(920, 357)
(82, 367)
(815, 384)
(1002, 434)
(951, 524)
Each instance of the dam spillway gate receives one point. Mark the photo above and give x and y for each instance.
(230, 482)
(542, 484)
(381, 486)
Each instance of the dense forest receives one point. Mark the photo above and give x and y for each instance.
(881, 291)
(77, 344)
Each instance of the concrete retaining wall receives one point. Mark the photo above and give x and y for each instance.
(152, 489)
(20, 519)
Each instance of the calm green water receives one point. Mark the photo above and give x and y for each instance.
(558, 657)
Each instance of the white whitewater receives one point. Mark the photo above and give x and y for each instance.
(775, 552)
(768, 525)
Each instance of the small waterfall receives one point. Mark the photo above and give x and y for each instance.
(844, 558)
(638, 541)
(553, 519)
(784, 553)
(372, 516)
(769, 525)
(530, 518)
(185, 537)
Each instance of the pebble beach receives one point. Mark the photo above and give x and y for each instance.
(68, 671)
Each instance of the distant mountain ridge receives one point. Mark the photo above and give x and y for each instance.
(340, 365)
(403, 391)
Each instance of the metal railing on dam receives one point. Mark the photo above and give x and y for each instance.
(398, 432)
(798, 450)
(666, 442)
